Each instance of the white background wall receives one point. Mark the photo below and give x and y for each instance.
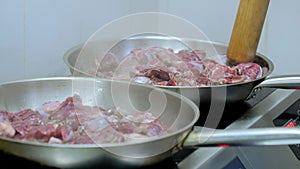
(34, 34)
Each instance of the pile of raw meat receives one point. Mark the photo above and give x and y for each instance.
(164, 67)
(71, 122)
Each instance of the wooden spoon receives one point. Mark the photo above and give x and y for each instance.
(247, 30)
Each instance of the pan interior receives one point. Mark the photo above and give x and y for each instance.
(90, 52)
(175, 111)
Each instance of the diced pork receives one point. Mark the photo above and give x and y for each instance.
(71, 122)
(163, 67)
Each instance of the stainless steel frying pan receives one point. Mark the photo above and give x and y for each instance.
(177, 112)
(80, 62)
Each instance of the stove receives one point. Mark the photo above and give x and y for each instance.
(269, 108)
(279, 107)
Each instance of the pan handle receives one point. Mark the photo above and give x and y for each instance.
(278, 81)
(269, 136)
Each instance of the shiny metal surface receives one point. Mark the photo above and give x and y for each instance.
(268, 136)
(280, 81)
(179, 114)
(260, 116)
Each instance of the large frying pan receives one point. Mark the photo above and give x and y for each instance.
(178, 113)
(80, 62)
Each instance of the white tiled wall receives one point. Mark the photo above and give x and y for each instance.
(34, 34)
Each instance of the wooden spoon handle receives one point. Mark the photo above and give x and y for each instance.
(247, 30)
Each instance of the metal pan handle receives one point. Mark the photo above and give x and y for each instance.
(270, 136)
(279, 81)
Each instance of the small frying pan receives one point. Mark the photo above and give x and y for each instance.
(178, 113)
(80, 62)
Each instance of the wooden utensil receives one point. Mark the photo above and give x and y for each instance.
(247, 30)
